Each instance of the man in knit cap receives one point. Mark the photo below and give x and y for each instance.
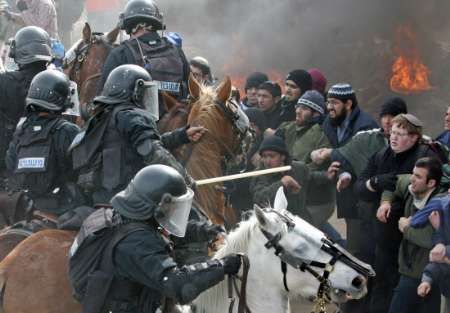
(269, 94)
(297, 83)
(319, 81)
(344, 120)
(302, 136)
(251, 88)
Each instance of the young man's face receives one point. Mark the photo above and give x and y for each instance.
(198, 74)
(265, 100)
(336, 108)
(447, 119)
(303, 115)
(292, 91)
(252, 96)
(401, 140)
(272, 159)
(419, 181)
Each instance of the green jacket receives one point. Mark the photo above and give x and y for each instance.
(361, 147)
(301, 141)
(416, 243)
(264, 188)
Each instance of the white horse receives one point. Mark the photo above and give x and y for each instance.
(300, 242)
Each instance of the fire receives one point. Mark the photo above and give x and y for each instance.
(409, 74)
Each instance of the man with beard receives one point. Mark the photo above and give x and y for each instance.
(297, 83)
(345, 119)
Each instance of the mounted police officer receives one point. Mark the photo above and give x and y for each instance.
(165, 61)
(122, 137)
(37, 154)
(31, 50)
(135, 271)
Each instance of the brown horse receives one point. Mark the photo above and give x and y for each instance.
(205, 159)
(85, 61)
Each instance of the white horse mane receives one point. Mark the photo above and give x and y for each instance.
(237, 242)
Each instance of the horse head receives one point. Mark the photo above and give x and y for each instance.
(84, 61)
(226, 125)
(307, 249)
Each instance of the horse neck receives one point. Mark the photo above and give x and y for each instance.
(264, 294)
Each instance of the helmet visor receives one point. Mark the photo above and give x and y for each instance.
(173, 213)
(147, 97)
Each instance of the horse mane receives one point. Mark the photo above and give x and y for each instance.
(236, 242)
(205, 159)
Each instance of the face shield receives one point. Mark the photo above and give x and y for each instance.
(146, 96)
(74, 106)
(173, 213)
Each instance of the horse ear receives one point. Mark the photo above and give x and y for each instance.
(260, 216)
(194, 87)
(224, 89)
(280, 204)
(87, 33)
(111, 37)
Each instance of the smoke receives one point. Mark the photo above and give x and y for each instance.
(349, 40)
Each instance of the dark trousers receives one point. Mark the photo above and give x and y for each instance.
(406, 299)
(386, 279)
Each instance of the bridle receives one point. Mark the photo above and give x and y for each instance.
(337, 254)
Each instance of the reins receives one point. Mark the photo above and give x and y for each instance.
(242, 294)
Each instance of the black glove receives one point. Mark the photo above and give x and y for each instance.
(213, 230)
(231, 264)
(384, 182)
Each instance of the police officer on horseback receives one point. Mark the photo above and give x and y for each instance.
(122, 137)
(165, 61)
(37, 154)
(31, 51)
(131, 248)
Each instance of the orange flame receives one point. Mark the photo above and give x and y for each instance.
(409, 74)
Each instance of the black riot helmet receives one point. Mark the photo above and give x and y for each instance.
(49, 91)
(31, 44)
(141, 11)
(130, 83)
(160, 192)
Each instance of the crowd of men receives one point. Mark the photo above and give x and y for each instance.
(387, 180)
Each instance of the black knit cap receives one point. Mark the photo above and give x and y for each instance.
(272, 87)
(273, 143)
(302, 79)
(255, 79)
(393, 106)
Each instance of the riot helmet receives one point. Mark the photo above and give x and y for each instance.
(160, 192)
(141, 11)
(31, 44)
(49, 91)
(131, 83)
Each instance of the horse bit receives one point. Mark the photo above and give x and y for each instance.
(337, 253)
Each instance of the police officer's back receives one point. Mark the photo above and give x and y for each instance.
(38, 154)
(31, 50)
(122, 137)
(136, 270)
(165, 61)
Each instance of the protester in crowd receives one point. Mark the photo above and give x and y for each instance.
(444, 137)
(251, 89)
(319, 81)
(269, 94)
(380, 174)
(412, 193)
(297, 83)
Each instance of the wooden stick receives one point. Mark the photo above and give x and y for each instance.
(220, 179)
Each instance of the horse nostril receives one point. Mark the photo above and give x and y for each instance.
(358, 281)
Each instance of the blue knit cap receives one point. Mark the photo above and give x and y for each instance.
(313, 100)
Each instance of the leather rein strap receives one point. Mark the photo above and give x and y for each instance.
(242, 294)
